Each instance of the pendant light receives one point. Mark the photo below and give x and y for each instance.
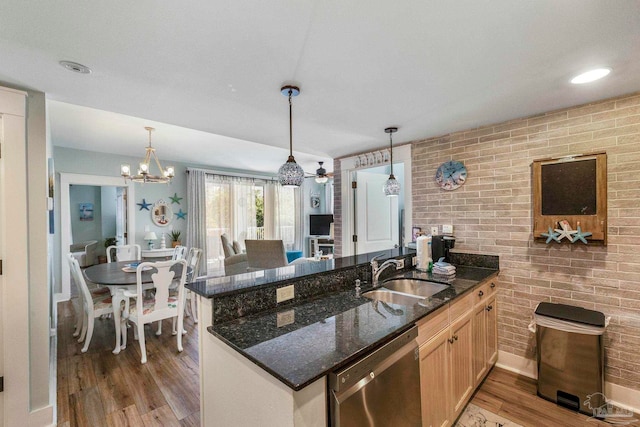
(391, 188)
(290, 174)
(144, 169)
(321, 174)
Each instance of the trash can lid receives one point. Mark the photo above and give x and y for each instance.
(571, 313)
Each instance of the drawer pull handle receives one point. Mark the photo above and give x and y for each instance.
(493, 285)
(489, 308)
(480, 293)
(450, 340)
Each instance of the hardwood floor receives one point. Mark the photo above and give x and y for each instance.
(99, 388)
(514, 397)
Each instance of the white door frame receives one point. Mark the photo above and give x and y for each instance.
(401, 154)
(66, 180)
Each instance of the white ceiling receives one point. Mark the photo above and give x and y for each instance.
(207, 73)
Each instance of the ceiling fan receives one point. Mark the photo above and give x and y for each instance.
(321, 176)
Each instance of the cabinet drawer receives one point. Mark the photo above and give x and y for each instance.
(432, 324)
(462, 305)
(484, 291)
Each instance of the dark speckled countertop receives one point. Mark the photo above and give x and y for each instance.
(301, 343)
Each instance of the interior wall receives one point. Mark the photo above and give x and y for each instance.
(83, 230)
(312, 188)
(492, 214)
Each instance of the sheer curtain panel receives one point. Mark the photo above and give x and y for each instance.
(197, 218)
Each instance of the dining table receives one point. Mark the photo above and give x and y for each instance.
(119, 277)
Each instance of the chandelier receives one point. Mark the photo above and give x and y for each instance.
(144, 174)
(391, 188)
(290, 173)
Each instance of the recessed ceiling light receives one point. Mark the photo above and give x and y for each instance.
(590, 76)
(75, 67)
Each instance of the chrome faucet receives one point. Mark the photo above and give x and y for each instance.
(376, 269)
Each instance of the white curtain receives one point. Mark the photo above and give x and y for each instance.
(231, 209)
(282, 215)
(197, 218)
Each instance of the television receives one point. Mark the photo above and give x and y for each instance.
(320, 225)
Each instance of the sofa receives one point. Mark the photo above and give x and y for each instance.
(235, 261)
(84, 252)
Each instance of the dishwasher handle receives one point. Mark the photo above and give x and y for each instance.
(364, 368)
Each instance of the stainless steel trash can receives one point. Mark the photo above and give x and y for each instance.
(570, 355)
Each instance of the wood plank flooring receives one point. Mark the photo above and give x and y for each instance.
(514, 397)
(99, 388)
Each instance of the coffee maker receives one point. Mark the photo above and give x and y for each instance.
(440, 246)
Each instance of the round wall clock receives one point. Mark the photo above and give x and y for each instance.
(451, 175)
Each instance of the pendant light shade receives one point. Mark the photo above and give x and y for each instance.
(391, 187)
(290, 174)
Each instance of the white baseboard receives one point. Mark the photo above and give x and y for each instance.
(621, 396)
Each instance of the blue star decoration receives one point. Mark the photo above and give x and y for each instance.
(181, 215)
(551, 235)
(144, 205)
(581, 235)
(175, 198)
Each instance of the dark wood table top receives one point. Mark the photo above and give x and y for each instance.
(111, 274)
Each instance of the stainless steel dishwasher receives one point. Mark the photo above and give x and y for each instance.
(380, 390)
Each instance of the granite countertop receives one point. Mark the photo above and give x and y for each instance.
(299, 344)
(225, 285)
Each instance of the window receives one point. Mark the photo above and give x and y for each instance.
(245, 208)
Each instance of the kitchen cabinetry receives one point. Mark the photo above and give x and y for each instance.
(451, 341)
(485, 345)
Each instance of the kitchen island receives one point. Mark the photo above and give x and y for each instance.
(269, 367)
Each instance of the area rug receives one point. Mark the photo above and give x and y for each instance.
(474, 416)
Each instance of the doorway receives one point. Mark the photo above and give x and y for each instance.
(126, 213)
(378, 222)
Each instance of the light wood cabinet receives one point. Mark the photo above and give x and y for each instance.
(462, 384)
(455, 355)
(435, 380)
(485, 344)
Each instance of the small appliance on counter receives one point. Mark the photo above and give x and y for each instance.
(440, 247)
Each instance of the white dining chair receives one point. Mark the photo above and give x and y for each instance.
(124, 253)
(179, 252)
(193, 261)
(141, 311)
(92, 304)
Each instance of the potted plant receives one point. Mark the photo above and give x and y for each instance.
(110, 241)
(175, 238)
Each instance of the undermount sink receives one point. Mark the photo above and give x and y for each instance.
(405, 291)
(392, 297)
(419, 288)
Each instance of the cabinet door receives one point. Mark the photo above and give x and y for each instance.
(479, 343)
(461, 366)
(435, 381)
(491, 316)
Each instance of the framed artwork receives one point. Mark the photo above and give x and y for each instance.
(86, 211)
(415, 231)
(51, 172)
(315, 201)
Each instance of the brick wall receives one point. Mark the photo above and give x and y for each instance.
(337, 209)
(492, 214)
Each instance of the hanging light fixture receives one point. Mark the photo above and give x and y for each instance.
(143, 174)
(321, 174)
(391, 188)
(290, 174)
